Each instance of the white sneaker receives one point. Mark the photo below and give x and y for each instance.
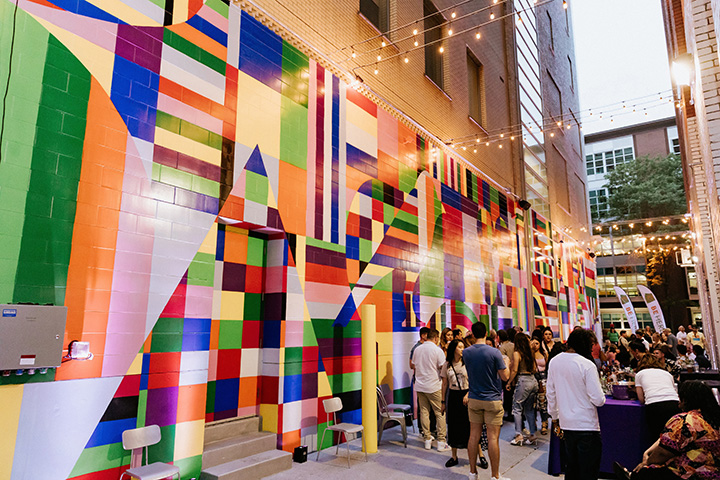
(428, 444)
(443, 447)
(472, 476)
(499, 478)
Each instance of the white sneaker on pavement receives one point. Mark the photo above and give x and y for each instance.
(499, 478)
(428, 444)
(443, 447)
(472, 476)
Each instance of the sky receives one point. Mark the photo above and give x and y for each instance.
(620, 55)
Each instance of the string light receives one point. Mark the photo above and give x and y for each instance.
(477, 36)
(453, 15)
(384, 44)
(450, 32)
(492, 16)
(565, 4)
(407, 59)
(441, 49)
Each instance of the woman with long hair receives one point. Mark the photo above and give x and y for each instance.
(522, 374)
(655, 387)
(446, 337)
(541, 377)
(689, 446)
(454, 387)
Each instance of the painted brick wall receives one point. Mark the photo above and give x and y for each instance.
(220, 207)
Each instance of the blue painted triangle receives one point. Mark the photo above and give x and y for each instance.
(255, 162)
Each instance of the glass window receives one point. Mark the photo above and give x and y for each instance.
(476, 88)
(433, 34)
(377, 12)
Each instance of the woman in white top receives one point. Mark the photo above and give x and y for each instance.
(454, 387)
(655, 388)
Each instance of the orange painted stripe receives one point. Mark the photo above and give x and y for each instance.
(95, 229)
(200, 39)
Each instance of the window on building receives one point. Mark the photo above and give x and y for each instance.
(675, 146)
(599, 206)
(476, 89)
(550, 30)
(377, 12)
(572, 78)
(433, 33)
(601, 163)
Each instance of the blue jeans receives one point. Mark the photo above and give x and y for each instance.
(524, 403)
(583, 450)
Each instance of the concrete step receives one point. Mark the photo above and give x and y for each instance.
(234, 427)
(233, 448)
(250, 468)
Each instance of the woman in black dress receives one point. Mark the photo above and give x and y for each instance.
(454, 387)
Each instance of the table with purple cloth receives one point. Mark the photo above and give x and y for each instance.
(624, 437)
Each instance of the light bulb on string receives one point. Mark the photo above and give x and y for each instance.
(565, 4)
(415, 32)
(450, 32)
(407, 59)
(383, 44)
(379, 58)
(477, 36)
(441, 49)
(492, 16)
(416, 43)
(453, 15)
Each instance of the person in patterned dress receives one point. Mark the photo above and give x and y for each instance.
(689, 446)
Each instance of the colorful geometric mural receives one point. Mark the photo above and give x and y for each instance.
(213, 207)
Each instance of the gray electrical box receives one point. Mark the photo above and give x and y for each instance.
(31, 336)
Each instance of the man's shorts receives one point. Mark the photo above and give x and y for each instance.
(483, 411)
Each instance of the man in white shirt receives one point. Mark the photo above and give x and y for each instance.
(681, 335)
(428, 359)
(573, 395)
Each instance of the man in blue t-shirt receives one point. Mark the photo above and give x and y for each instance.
(486, 370)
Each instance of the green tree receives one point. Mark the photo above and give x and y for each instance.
(646, 187)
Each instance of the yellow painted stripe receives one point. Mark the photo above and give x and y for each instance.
(11, 400)
(180, 11)
(184, 145)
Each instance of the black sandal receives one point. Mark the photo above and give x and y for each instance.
(483, 463)
(451, 463)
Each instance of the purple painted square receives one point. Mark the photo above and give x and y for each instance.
(233, 277)
(161, 406)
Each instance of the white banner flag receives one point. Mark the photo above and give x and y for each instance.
(654, 308)
(628, 308)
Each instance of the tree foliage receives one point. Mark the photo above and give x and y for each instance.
(646, 187)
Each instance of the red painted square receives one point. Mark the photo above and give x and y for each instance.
(251, 333)
(163, 380)
(269, 390)
(228, 363)
(254, 279)
(164, 362)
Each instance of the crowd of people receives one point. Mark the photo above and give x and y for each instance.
(469, 382)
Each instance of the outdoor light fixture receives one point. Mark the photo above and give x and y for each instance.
(524, 204)
(682, 69)
(683, 72)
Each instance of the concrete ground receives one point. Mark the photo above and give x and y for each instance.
(393, 461)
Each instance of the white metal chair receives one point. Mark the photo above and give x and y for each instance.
(387, 415)
(334, 405)
(402, 407)
(137, 440)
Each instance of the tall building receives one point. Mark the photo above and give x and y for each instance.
(625, 248)
(691, 31)
(214, 191)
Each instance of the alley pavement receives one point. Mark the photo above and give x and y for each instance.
(393, 461)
